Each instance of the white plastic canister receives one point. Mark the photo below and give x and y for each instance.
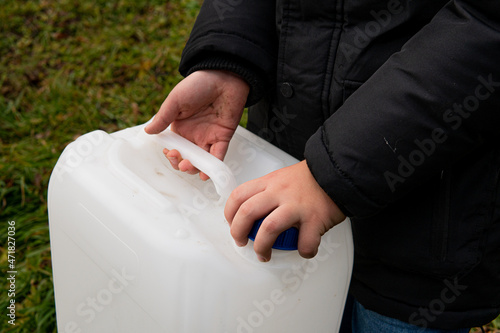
(140, 247)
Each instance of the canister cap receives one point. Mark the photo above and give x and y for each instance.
(286, 241)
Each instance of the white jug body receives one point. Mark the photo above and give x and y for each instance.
(140, 247)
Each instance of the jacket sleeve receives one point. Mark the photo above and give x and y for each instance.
(234, 35)
(427, 107)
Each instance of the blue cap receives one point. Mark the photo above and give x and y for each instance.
(287, 240)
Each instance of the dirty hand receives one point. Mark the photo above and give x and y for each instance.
(290, 197)
(205, 108)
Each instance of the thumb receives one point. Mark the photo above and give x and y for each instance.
(167, 113)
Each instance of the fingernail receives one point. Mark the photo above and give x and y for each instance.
(240, 244)
(262, 259)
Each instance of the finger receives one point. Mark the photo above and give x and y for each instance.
(256, 207)
(204, 176)
(309, 239)
(173, 156)
(219, 149)
(274, 224)
(186, 166)
(178, 163)
(239, 195)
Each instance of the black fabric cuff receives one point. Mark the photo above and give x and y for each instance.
(334, 181)
(247, 72)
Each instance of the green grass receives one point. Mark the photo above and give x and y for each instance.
(68, 68)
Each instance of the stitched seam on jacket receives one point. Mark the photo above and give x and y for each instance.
(332, 57)
(345, 176)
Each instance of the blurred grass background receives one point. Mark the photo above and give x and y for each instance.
(68, 68)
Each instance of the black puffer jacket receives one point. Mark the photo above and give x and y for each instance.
(395, 105)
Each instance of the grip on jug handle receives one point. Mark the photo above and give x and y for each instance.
(217, 170)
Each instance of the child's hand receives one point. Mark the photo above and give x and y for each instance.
(290, 197)
(205, 108)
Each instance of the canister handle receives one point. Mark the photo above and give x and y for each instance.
(217, 170)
